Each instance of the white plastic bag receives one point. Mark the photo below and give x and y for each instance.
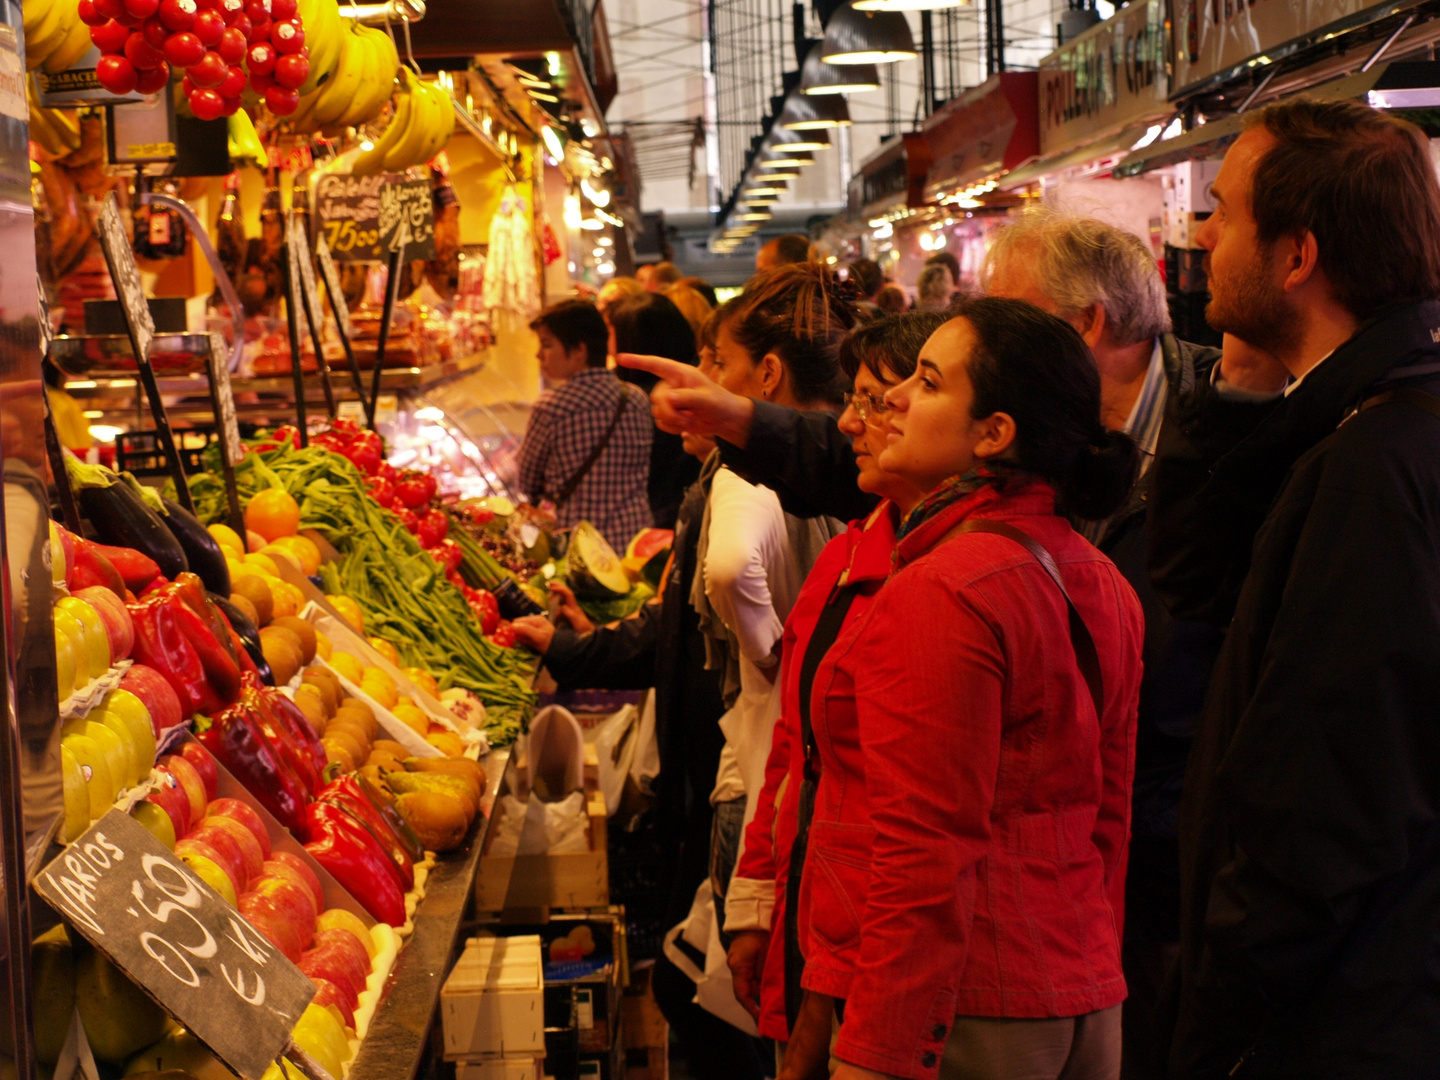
(714, 988)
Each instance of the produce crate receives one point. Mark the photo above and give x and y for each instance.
(646, 1032)
(529, 886)
(510, 1068)
(492, 1004)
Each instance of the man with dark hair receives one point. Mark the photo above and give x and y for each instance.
(587, 445)
(868, 279)
(950, 262)
(1310, 822)
(783, 250)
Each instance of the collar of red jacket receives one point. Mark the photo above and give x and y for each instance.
(1008, 502)
(872, 543)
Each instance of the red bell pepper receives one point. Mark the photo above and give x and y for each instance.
(236, 738)
(302, 745)
(87, 567)
(180, 644)
(296, 756)
(339, 844)
(347, 792)
(136, 568)
(403, 876)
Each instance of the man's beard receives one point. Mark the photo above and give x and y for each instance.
(1254, 309)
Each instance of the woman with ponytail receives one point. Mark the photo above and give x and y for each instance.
(962, 894)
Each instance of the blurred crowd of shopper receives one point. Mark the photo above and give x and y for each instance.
(1101, 742)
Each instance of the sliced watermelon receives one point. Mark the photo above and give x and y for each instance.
(648, 543)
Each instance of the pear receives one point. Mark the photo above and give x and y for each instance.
(52, 965)
(461, 767)
(178, 1050)
(119, 1017)
(439, 820)
(438, 784)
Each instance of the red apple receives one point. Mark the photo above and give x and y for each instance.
(190, 780)
(245, 815)
(158, 695)
(328, 994)
(249, 846)
(230, 863)
(204, 764)
(268, 918)
(294, 899)
(172, 799)
(346, 942)
(334, 968)
(303, 869)
(230, 857)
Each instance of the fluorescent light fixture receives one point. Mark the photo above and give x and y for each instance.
(598, 196)
(430, 413)
(552, 63)
(605, 269)
(867, 37)
(592, 223)
(907, 5)
(551, 138)
(749, 192)
(104, 432)
(756, 217)
(819, 78)
(610, 219)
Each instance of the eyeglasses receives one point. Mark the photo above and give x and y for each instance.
(867, 405)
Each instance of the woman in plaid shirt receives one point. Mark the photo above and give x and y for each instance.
(584, 410)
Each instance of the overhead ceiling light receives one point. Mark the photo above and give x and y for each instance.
(788, 173)
(804, 113)
(752, 192)
(755, 217)
(784, 161)
(818, 77)
(783, 140)
(598, 196)
(867, 37)
(907, 5)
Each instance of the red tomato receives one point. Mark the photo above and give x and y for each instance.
(184, 49)
(486, 608)
(207, 105)
(140, 53)
(156, 33)
(232, 46)
(389, 471)
(111, 9)
(232, 106)
(178, 15)
(210, 72)
(291, 71)
(141, 9)
(504, 636)
(433, 527)
(258, 10)
(282, 9)
(261, 83)
(232, 10)
(280, 101)
(258, 31)
(234, 84)
(109, 36)
(381, 490)
(116, 74)
(242, 23)
(260, 60)
(365, 449)
(410, 489)
(407, 518)
(88, 15)
(154, 80)
(209, 28)
(287, 35)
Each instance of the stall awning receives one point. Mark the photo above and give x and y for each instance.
(1092, 159)
(1411, 88)
(982, 132)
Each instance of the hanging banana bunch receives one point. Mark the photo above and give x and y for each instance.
(55, 38)
(421, 127)
(359, 82)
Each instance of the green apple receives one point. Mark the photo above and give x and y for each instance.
(119, 1017)
(52, 966)
(157, 821)
(209, 872)
(70, 626)
(132, 710)
(97, 641)
(77, 794)
(95, 766)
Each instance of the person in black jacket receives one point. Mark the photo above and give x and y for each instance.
(1310, 822)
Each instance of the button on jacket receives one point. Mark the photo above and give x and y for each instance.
(967, 854)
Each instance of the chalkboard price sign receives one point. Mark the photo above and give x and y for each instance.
(174, 936)
(408, 201)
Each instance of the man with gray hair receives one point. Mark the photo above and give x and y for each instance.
(1105, 282)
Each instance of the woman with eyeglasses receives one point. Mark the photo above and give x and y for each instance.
(764, 953)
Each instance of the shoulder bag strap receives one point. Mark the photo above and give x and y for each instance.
(827, 629)
(1086, 658)
(1410, 395)
(563, 496)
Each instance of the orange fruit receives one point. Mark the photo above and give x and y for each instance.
(228, 539)
(422, 679)
(288, 599)
(447, 742)
(273, 513)
(348, 610)
(303, 549)
(385, 649)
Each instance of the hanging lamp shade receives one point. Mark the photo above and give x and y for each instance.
(908, 5)
(820, 79)
(782, 139)
(867, 37)
(804, 113)
(784, 158)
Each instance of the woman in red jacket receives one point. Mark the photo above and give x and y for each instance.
(962, 891)
(874, 357)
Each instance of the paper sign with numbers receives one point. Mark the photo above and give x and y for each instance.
(179, 941)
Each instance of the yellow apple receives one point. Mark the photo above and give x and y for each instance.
(97, 641)
(95, 766)
(77, 794)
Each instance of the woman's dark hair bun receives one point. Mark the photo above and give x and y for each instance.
(1104, 474)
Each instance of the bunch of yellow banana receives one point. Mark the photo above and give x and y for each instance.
(244, 141)
(56, 131)
(423, 123)
(54, 35)
(359, 86)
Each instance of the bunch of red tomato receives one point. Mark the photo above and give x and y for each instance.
(141, 41)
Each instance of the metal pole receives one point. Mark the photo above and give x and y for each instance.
(927, 59)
